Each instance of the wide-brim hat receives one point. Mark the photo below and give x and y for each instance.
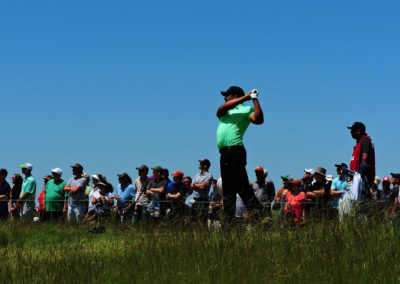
(320, 170)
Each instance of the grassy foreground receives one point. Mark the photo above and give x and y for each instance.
(317, 253)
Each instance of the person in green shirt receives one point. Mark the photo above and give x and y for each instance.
(234, 119)
(55, 196)
(27, 195)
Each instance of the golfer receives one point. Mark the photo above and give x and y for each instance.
(234, 119)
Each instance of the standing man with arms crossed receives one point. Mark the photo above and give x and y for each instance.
(27, 196)
(234, 119)
(76, 200)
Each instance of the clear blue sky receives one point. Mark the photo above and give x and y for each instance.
(114, 84)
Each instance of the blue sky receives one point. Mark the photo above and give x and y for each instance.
(114, 84)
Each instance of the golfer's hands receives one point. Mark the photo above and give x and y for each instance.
(254, 94)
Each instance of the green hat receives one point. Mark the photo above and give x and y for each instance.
(288, 177)
(157, 168)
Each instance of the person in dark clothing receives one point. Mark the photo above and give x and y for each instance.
(234, 119)
(176, 195)
(4, 194)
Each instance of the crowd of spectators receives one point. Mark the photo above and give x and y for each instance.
(153, 197)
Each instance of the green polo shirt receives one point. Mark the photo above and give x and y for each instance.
(55, 195)
(29, 185)
(233, 125)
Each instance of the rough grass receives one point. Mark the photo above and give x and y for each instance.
(328, 253)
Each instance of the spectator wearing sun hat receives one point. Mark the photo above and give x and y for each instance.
(27, 195)
(55, 195)
(320, 194)
(76, 190)
(264, 188)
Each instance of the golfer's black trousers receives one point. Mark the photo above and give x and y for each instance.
(235, 180)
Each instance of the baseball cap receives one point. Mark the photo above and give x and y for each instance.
(57, 171)
(259, 169)
(3, 172)
(233, 90)
(177, 174)
(341, 165)
(395, 175)
(101, 184)
(27, 166)
(357, 126)
(77, 166)
(385, 179)
(143, 167)
(205, 162)
(329, 178)
(288, 177)
(309, 171)
(123, 175)
(157, 168)
(95, 177)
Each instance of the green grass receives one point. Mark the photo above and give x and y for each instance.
(326, 253)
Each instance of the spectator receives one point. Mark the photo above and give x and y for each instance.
(263, 188)
(92, 212)
(104, 201)
(124, 195)
(17, 181)
(384, 196)
(320, 194)
(26, 199)
(142, 199)
(201, 186)
(76, 190)
(42, 199)
(307, 180)
(339, 185)
(395, 180)
(54, 196)
(155, 189)
(234, 119)
(4, 194)
(362, 161)
(294, 206)
(187, 181)
(280, 198)
(163, 200)
(215, 198)
(88, 189)
(176, 195)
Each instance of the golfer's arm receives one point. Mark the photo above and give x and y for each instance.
(257, 117)
(223, 109)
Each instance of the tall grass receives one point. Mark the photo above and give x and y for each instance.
(320, 252)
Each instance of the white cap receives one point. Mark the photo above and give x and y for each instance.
(95, 177)
(27, 166)
(329, 178)
(57, 171)
(310, 171)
